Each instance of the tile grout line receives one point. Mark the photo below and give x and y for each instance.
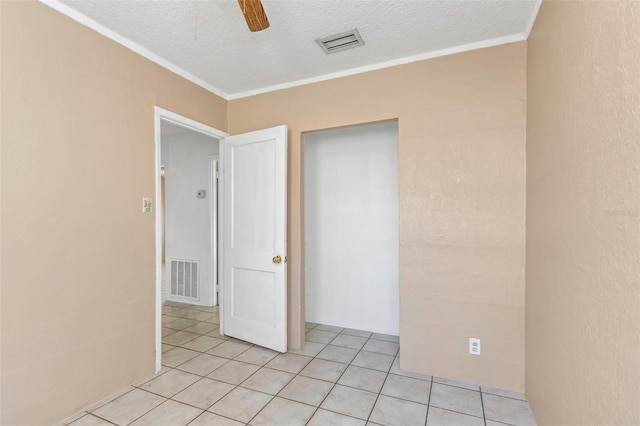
(484, 418)
(426, 419)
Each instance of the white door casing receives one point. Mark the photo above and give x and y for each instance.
(161, 115)
(253, 182)
(214, 229)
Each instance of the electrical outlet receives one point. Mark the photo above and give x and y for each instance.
(474, 346)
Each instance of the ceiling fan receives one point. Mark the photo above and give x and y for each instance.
(254, 14)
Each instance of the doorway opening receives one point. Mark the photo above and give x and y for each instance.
(186, 214)
(351, 227)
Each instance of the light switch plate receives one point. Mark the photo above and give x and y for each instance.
(147, 204)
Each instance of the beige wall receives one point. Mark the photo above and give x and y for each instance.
(583, 214)
(462, 200)
(77, 253)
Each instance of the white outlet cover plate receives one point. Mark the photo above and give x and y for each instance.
(474, 346)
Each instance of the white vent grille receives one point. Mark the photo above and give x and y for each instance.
(185, 278)
(342, 41)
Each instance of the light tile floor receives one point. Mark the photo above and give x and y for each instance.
(340, 377)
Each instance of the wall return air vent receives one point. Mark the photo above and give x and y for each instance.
(339, 42)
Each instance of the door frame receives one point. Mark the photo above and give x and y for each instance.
(215, 242)
(159, 115)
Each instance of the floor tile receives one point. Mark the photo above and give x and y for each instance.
(229, 349)
(233, 372)
(374, 361)
(167, 308)
(179, 304)
(357, 333)
(290, 363)
(169, 413)
(325, 418)
(398, 412)
(241, 404)
(214, 320)
(166, 347)
(69, 420)
(170, 383)
(387, 337)
(395, 369)
(181, 323)
(349, 401)
(128, 407)
(407, 388)
(202, 308)
(90, 420)
(204, 393)
(202, 343)
(179, 338)
(324, 370)
(456, 399)
(381, 347)
(456, 383)
(167, 319)
(203, 364)
(282, 412)
(193, 314)
(309, 349)
(257, 355)
(202, 316)
(210, 419)
(310, 324)
(268, 381)
(144, 380)
(318, 336)
(337, 354)
(177, 356)
(363, 378)
(494, 423)
(201, 328)
(507, 410)
(216, 333)
(331, 328)
(439, 417)
(307, 390)
(166, 331)
(352, 342)
(502, 392)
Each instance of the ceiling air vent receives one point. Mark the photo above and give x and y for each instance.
(342, 41)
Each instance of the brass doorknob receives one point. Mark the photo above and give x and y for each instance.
(277, 259)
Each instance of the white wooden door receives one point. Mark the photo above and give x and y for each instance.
(253, 172)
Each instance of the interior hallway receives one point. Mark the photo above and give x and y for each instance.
(340, 377)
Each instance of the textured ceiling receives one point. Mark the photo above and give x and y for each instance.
(209, 40)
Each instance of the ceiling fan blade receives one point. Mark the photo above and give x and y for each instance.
(254, 14)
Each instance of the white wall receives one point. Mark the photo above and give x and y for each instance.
(187, 162)
(351, 227)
